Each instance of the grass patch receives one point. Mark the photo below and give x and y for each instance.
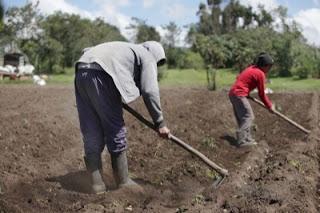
(61, 79)
(226, 77)
(186, 77)
(190, 77)
(292, 83)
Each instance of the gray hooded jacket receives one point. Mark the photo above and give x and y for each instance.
(133, 68)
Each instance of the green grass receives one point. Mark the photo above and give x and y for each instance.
(61, 79)
(294, 84)
(226, 77)
(190, 77)
(66, 78)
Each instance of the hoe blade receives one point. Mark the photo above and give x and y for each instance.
(218, 181)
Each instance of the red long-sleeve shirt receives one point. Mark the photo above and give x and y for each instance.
(252, 77)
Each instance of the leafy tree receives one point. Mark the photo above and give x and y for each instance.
(246, 44)
(215, 54)
(174, 56)
(144, 32)
(22, 28)
(1, 13)
(264, 18)
(306, 60)
(75, 33)
(204, 26)
(283, 55)
(232, 14)
(23, 22)
(50, 55)
(172, 34)
(215, 15)
(192, 60)
(54, 42)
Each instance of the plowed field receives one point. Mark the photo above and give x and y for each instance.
(42, 168)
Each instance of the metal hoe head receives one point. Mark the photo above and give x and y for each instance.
(218, 181)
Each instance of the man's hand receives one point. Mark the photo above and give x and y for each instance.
(164, 132)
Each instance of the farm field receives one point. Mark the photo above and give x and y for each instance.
(42, 168)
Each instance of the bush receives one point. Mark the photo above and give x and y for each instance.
(191, 60)
(162, 72)
(302, 72)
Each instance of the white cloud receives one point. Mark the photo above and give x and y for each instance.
(48, 7)
(177, 11)
(112, 16)
(268, 5)
(148, 3)
(309, 21)
(108, 10)
(121, 3)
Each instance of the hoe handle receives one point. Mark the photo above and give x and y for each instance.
(282, 116)
(179, 142)
(201, 156)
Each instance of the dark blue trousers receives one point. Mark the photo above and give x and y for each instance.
(100, 112)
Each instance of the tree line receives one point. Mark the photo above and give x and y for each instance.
(227, 35)
(231, 36)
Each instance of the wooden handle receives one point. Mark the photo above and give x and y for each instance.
(201, 156)
(282, 116)
(179, 142)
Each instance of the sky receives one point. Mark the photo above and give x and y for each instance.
(183, 12)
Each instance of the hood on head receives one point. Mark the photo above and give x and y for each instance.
(156, 50)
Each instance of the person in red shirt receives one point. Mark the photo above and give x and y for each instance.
(250, 78)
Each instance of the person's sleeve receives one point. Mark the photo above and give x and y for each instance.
(264, 98)
(150, 93)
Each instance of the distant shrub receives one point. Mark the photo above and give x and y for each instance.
(57, 69)
(191, 60)
(162, 72)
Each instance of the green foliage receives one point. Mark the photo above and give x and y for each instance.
(56, 41)
(209, 142)
(50, 55)
(213, 50)
(75, 33)
(305, 60)
(191, 60)
(229, 43)
(144, 32)
(1, 14)
(172, 34)
(22, 23)
(184, 59)
(173, 56)
(162, 72)
(212, 78)
(283, 58)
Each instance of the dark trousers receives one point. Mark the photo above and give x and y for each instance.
(100, 112)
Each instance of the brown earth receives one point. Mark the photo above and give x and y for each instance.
(41, 166)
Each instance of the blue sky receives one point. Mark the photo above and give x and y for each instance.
(182, 12)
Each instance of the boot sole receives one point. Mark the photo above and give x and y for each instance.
(98, 189)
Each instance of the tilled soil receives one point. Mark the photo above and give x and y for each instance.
(42, 170)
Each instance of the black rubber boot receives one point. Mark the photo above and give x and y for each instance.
(120, 170)
(94, 167)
